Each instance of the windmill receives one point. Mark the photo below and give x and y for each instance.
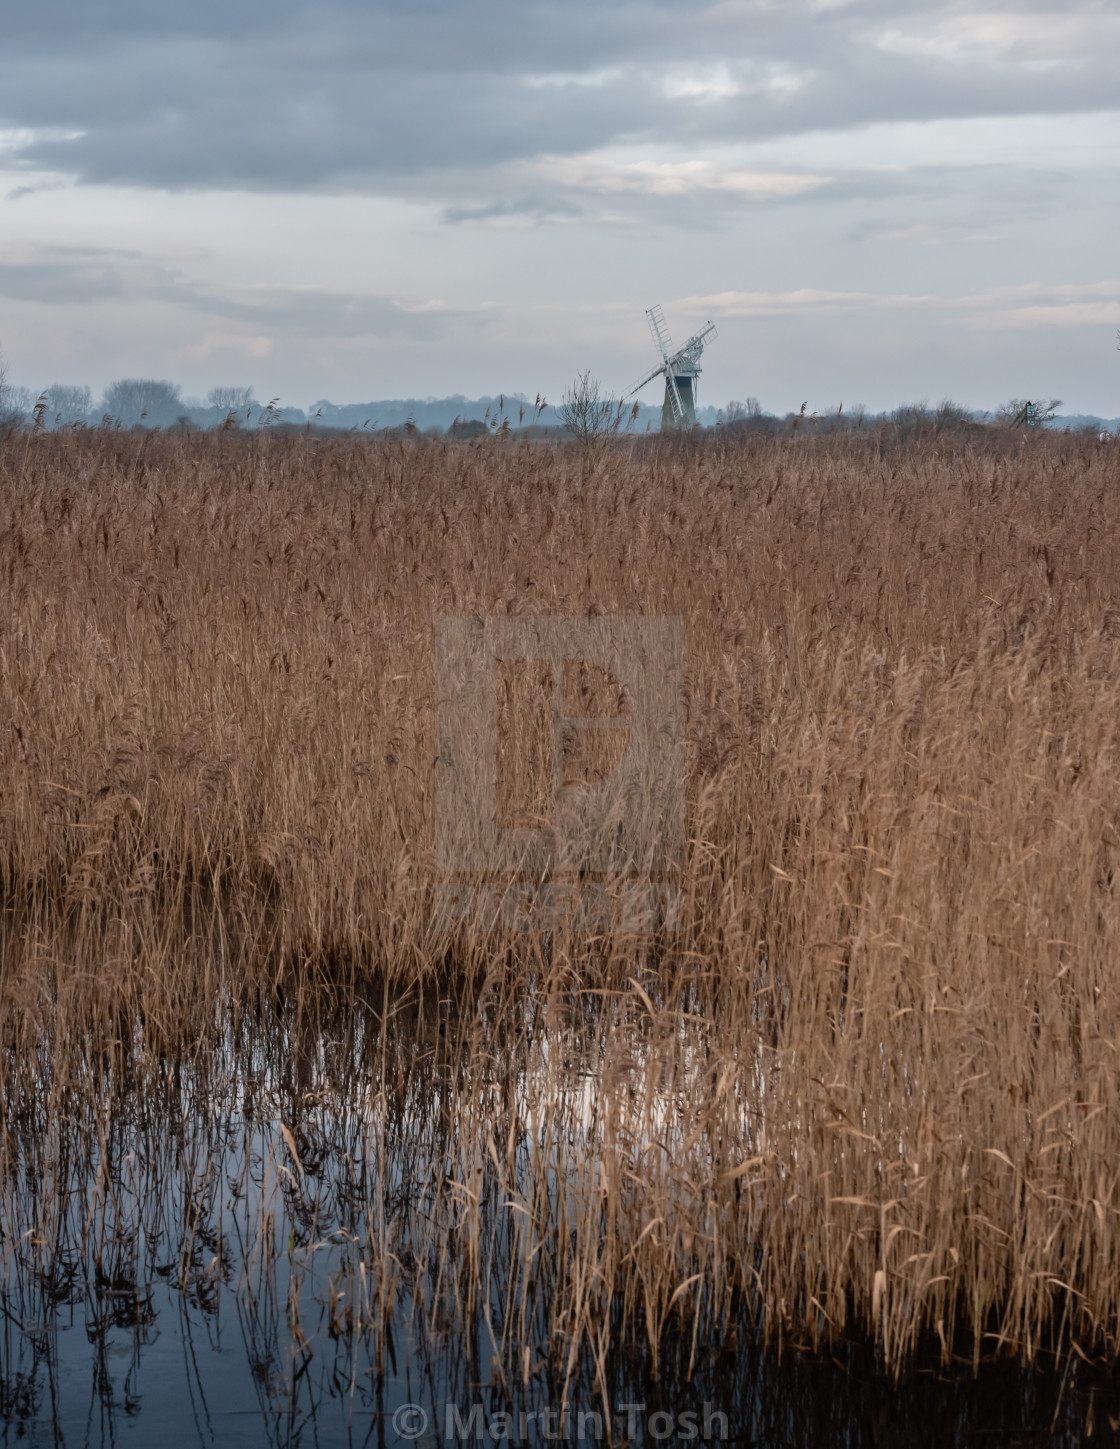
(680, 369)
(1035, 414)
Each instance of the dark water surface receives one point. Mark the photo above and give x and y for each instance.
(263, 1243)
(174, 1372)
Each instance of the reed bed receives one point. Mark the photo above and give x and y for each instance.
(867, 1087)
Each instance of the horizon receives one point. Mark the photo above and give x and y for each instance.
(649, 400)
(387, 414)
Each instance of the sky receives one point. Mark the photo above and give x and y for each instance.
(875, 203)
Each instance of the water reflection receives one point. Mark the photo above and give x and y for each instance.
(278, 1240)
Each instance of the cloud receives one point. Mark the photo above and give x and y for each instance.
(523, 211)
(1027, 305)
(1006, 37)
(384, 98)
(682, 179)
(14, 139)
(716, 83)
(76, 277)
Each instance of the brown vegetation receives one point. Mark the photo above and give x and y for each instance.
(872, 1082)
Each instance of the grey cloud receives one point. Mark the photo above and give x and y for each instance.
(527, 208)
(392, 97)
(63, 277)
(77, 277)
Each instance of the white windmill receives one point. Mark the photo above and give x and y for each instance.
(680, 369)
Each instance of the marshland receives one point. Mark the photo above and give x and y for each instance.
(834, 1152)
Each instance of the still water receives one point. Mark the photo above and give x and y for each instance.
(173, 1371)
(265, 1242)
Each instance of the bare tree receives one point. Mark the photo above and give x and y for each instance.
(230, 399)
(135, 400)
(740, 413)
(16, 403)
(66, 405)
(588, 413)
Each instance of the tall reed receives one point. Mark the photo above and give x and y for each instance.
(870, 1083)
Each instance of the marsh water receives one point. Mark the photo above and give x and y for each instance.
(172, 1370)
(265, 1241)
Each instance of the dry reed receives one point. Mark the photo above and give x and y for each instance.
(871, 1083)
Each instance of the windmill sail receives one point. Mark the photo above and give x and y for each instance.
(680, 368)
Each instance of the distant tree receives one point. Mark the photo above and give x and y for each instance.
(588, 413)
(231, 399)
(16, 403)
(952, 415)
(67, 405)
(133, 401)
(739, 414)
(909, 416)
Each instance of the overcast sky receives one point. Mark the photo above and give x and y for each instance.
(353, 199)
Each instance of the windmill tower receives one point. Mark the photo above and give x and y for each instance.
(680, 369)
